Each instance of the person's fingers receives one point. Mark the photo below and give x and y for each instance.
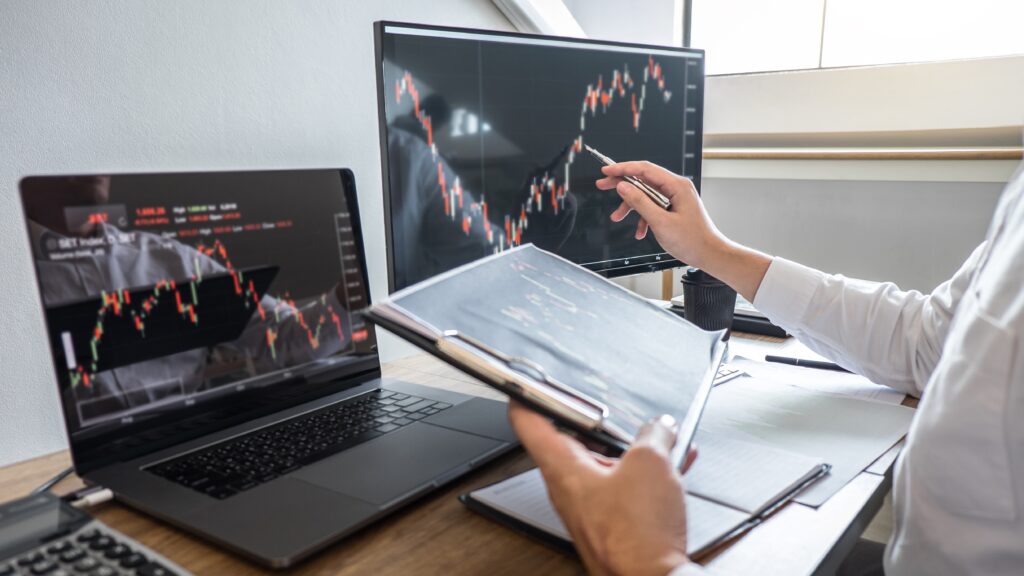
(655, 175)
(554, 452)
(658, 435)
(607, 183)
(639, 202)
(691, 456)
(641, 229)
(621, 212)
(598, 451)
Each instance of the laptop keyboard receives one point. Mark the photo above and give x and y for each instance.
(242, 463)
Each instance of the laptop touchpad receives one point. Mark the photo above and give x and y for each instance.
(388, 467)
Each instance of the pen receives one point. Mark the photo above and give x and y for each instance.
(806, 363)
(658, 198)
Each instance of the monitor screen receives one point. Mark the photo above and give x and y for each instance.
(168, 294)
(483, 134)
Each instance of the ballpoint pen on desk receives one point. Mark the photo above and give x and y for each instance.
(805, 363)
(658, 198)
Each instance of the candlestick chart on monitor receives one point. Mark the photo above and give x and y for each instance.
(484, 140)
(160, 289)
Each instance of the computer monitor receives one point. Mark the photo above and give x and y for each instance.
(482, 138)
(180, 303)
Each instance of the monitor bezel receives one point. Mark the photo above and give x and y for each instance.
(102, 448)
(623, 267)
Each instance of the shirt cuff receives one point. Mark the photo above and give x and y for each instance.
(786, 291)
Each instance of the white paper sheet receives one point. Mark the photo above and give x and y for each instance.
(756, 349)
(745, 475)
(525, 498)
(831, 381)
(848, 433)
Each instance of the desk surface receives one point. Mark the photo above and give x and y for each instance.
(438, 535)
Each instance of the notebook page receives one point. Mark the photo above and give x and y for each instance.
(525, 498)
(745, 475)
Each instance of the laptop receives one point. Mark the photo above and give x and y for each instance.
(212, 366)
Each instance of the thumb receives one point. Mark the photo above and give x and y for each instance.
(638, 201)
(658, 434)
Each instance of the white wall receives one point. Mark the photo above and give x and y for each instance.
(913, 233)
(183, 85)
(956, 95)
(930, 212)
(646, 21)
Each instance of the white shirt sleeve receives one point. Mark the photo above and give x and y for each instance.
(891, 336)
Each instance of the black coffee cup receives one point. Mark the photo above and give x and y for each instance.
(707, 301)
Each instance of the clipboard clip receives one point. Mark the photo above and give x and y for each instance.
(528, 369)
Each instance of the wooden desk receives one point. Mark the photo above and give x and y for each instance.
(437, 535)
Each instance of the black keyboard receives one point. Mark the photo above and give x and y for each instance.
(242, 463)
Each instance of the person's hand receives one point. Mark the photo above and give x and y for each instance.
(626, 516)
(684, 230)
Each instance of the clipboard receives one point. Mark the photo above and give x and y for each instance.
(527, 380)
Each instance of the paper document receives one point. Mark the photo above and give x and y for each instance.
(757, 349)
(848, 433)
(831, 381)
(730, 488)
(746, 475)
(525, 498)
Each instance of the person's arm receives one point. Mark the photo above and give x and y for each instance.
(891, 336)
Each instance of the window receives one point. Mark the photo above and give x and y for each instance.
(757, 36)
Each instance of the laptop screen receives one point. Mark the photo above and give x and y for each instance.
(171, 295)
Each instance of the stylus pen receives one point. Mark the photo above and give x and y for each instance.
(806, 363)
(658, 198)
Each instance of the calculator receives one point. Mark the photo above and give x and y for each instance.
(43, 535)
